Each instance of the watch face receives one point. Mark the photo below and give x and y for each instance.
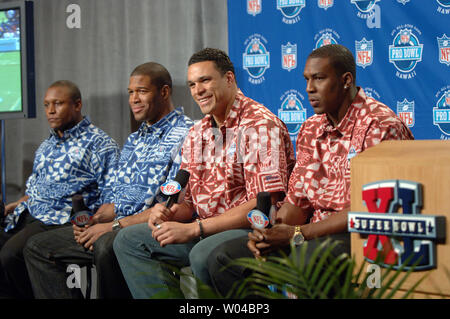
(298, 239)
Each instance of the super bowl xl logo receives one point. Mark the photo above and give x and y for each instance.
(405, 52)
(254, 7)
(397, 238)
(444, 6)
(325, 37)
(325, 4)
(441, 113)
(364, 52)
(256, 58)
(405, 111)
(289, 56)
(444, 49)
(292, 112)
(290, 10)
(365, 7)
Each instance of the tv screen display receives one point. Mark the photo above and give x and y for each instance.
(17, 79)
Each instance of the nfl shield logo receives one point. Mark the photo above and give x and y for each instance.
(254, 7)
(405, 111)
(325, 4)
(289, 56)
(325, 39)
(444, 49)
(364, 52)
(404, 36)
(447, 98)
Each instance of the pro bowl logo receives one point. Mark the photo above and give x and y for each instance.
(254, 7)
(365, 7)
(444, 6)
(289, 56)
(441, 113)
(444, 49)
(290, 10)
(325, 37)
(371, 92)
(256, 58)
(364, 52)
(325, 4)
(405, 111)
(292, 112)
(405, 51)
(397, 238)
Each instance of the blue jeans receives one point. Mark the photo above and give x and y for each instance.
(142, 259)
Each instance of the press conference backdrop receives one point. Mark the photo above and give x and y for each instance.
(401, 47)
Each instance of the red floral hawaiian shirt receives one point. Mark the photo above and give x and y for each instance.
(320, 182)
(251, 152)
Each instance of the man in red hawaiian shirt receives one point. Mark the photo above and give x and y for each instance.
(236, 151)
(346, 123)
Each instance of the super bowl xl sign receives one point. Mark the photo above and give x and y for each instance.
(397, 232)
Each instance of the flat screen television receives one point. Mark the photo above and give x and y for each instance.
(17, 77)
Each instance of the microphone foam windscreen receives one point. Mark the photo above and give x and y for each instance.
(263, 202)
(182, 177)
(77, 202)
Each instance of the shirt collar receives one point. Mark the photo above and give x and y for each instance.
(163, 124)
(348, 120)
(74, 131)
(234, 115)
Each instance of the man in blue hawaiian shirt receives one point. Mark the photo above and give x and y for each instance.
(150, 156)
(77, 158)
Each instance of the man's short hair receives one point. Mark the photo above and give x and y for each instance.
(219, 57)
(74, 91)
(158, 74)
(340, 57)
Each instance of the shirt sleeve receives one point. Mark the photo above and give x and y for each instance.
(296, 192)
(108, 158)
(384, 129)
(268, 158)
(186, 154)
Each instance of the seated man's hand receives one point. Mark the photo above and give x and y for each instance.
(174, 232)
(159, 214)
(264, 241)
(90, 234)
(10, 208)
(104, 214)
(77, 231)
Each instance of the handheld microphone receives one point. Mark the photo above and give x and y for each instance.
(173, 188)
(81, 215)
(259, 217)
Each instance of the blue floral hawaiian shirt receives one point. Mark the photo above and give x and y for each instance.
(150, 156)
(80, 162)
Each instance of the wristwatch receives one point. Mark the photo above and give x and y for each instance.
(298, 237)
(116, 225)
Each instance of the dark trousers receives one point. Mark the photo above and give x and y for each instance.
(49, 254)
(14, 280)
(223, 280)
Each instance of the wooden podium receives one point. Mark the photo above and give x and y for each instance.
(426, 162)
